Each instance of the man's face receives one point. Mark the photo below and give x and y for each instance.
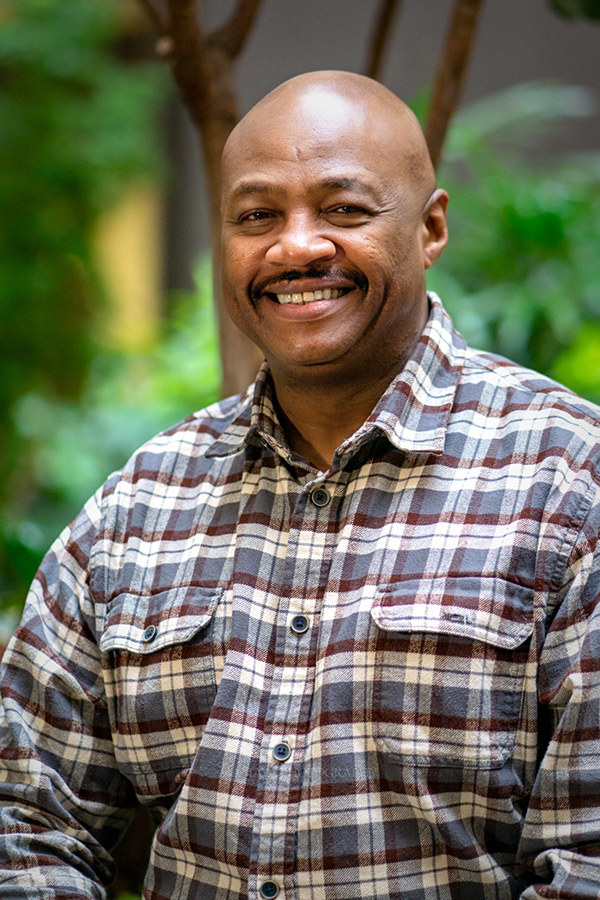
(324, 242)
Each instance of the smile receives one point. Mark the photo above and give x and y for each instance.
(311, 296)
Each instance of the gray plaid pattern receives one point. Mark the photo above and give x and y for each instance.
(441, 707)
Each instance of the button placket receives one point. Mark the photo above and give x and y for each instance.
(307, 563)
(281, 752)
(299, 624)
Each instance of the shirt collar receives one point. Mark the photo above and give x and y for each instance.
(413, 412)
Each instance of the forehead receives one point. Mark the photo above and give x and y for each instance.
(322, 139)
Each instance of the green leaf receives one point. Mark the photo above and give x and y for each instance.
(577, 9)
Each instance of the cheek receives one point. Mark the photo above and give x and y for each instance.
(237, 274)
(233, 285)
(231, 259)
(406, 259)
(243, 262)
(391, 252)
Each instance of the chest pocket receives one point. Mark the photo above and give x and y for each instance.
(449, 671)
(162, 655)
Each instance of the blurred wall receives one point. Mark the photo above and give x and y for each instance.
(518, 40)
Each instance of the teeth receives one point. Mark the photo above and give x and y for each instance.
(309, 296)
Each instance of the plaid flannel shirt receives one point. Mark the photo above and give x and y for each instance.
(379, 682)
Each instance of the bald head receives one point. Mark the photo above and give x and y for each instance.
(340, 106)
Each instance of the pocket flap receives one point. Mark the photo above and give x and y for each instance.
(491, 610)
(147, 623)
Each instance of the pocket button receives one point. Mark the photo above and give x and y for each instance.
(149, 634)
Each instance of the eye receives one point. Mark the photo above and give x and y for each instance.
(348, 214)
(347, 209)
(255, 215)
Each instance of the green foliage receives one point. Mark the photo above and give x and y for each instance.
(574, 9)
(75, 124)
(521, 273)
(72, 446)
(579, 365)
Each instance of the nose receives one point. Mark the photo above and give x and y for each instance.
(298, 242)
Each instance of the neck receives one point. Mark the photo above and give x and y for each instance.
(317, 417)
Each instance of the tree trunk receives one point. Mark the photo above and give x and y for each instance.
(203, 69)
(451, 74)
(239, 357)
(381, 37)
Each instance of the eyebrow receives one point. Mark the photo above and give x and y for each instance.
(343, 183)
(253, 187)
(334, 182)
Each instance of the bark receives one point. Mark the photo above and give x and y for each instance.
(381, 37)
(202, 66)
(451, 74)
(155, 14)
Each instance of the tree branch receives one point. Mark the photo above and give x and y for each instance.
(451, 73)
(381, 37)
(231, 37)
(155, 14)
(187, 56)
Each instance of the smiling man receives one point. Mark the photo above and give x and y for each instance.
(339, 635)
(331, 217)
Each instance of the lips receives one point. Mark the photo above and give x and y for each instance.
(299, 288)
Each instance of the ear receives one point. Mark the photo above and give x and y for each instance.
(435, 228)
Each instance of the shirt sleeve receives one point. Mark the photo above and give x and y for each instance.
(63, 803)
(561, 838)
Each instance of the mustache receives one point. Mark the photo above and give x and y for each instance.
(314, 273)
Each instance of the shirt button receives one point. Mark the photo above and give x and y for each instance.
(269, 890)
(282, 752)
(149, 634)
(299, 624)
(320, 497)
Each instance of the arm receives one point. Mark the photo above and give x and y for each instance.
(63, 803)
(561, 838)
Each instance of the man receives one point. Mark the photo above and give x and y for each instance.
(339, 635)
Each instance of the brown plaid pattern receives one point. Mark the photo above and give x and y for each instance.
(439, 700)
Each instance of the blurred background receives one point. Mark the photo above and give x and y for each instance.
(108, 333)
(107, 329)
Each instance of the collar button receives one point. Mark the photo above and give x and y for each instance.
(320, 497)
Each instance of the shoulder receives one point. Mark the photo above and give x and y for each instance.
(195, 435)
(512, 388)
(179, 456)
(539, 419)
